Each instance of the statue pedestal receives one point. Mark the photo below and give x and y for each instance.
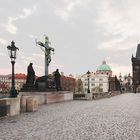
(32, 104)
(41, 86)
(28, 87)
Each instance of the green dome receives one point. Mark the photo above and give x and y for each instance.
(104, 67)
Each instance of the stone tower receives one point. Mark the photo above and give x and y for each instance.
(136, 69)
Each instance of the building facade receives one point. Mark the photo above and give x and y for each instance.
(5, 83)
(97, 83)
(68, 83)
(99, 80)
(20, 79)
(126, 83)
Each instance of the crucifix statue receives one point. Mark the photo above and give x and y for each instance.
(47, 51)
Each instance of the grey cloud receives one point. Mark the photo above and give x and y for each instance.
(76, 29)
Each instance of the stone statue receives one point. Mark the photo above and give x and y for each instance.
(57, 77)
(48, 51)
(30, 75)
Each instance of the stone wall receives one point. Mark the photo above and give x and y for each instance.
(94, 96)
(104, 95)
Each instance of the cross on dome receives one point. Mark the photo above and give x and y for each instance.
(104, 62)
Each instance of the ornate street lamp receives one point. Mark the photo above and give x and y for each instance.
(12, 54)
(88, 76)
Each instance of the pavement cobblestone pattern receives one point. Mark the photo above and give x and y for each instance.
(115, 118)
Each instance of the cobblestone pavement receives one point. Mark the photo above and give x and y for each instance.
(115, 118)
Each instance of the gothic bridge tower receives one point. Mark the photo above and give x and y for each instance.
(136, 69)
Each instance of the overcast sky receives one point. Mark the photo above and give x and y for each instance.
(83, 33)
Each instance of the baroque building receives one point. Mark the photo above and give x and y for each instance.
(98, 81)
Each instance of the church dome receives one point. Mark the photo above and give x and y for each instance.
(104, 67)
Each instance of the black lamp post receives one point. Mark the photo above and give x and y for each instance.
(120, 80)
(109, 87)
(12, 54)
(88, 76)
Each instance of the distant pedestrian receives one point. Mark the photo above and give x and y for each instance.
(57, 77)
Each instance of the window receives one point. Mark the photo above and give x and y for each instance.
(93, 89)
(101, 90)
(92, 84)
(86, 84)
(100, 79)
(100, 85)
(93, 79)
(136, 67)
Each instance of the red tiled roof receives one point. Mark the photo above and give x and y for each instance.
(20, 76)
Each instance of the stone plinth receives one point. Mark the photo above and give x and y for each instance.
(23, 103)
(9, 106)
(89, 96)
(68, 96)
(32, 104)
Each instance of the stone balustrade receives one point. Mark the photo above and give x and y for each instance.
(93, 96)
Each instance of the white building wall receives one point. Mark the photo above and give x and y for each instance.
(95, 80)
